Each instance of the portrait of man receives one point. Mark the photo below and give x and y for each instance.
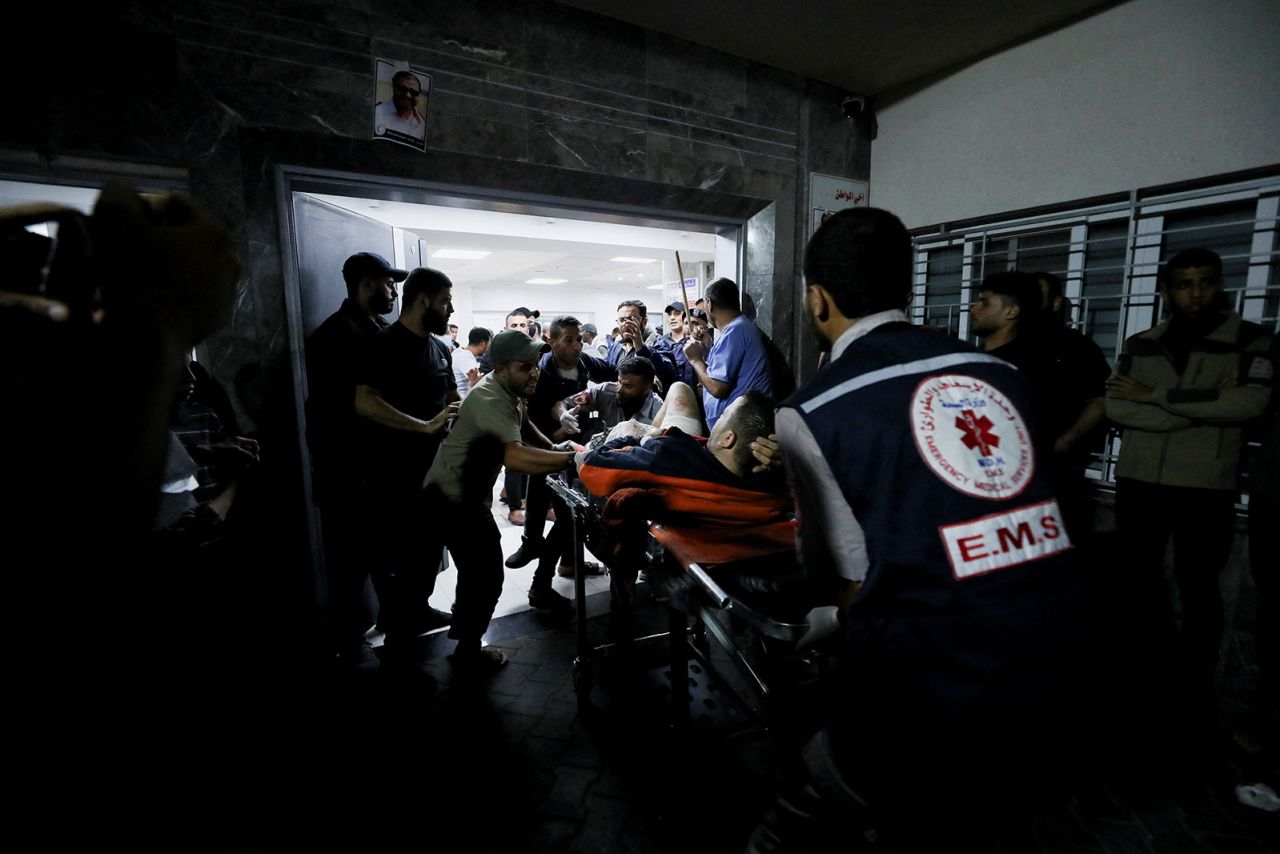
(400, 104)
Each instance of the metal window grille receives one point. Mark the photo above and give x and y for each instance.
(1108, 255)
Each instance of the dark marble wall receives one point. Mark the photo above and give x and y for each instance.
(528, 97)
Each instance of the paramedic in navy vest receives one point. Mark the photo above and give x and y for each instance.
(918, 484)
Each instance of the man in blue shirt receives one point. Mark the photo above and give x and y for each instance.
(737, 361)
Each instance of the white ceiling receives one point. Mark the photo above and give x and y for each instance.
(865, 46)
(22, 192)
(524, 247)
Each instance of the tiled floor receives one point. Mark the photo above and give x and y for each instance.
(511, 764)
(271, 754)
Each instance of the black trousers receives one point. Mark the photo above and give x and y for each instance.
(347, 558)
(516, 484)
(1201, 524)
(537, 502)
(1264, 558)
(471, 535)
(405, 568)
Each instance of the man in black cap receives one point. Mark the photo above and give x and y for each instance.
(676, 335)
(592, 342)
(493, 430)
(334, 435)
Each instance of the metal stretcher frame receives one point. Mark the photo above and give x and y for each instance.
(717, 599)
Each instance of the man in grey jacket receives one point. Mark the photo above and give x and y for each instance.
(1184, 391)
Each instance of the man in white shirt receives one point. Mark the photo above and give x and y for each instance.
(466, 360)
(400, 116)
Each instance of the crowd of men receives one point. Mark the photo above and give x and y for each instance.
(939, 485)
(943, 486)
(406, 424)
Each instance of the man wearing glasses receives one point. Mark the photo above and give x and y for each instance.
(400, 116)
(635, 338)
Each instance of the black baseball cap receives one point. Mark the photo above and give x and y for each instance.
(368, 265)
(675, 306)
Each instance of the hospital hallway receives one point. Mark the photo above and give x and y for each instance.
(300, 761)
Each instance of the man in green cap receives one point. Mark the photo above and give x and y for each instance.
(493, 430)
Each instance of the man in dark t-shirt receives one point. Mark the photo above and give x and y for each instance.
(405, 386)
(1066, 373)
(335, 437)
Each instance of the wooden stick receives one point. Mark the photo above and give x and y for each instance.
(684, 293)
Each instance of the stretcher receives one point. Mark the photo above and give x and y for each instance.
(740, 589)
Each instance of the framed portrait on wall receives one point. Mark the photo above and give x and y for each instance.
(400, 98)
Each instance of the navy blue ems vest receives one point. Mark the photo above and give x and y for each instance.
(969, 596)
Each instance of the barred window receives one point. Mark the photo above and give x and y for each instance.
(1108, 254)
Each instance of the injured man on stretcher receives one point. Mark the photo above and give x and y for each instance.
(667, 472)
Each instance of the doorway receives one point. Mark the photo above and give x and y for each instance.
(556, 256)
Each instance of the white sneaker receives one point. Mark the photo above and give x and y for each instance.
(1259, 796)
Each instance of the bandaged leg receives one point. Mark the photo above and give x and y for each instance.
(680, 409)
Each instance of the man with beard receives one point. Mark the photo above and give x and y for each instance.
(335, 436)
(406, 389)
(493, 430)
(1184, 391)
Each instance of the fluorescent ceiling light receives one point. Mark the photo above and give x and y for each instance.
(654, 287)
(626, 260)
(460, 254)
(545, 281)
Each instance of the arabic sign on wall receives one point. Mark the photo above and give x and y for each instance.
(671, 293)
(828, 194)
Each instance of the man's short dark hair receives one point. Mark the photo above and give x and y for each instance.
(479, 335)
(1022, 289)
(523, 312)
(638, 366)
(535, 329)
(1196, 257)
(404, 75)
(426, 281)
(863, 257)
(644, 312)
(724, 293)
(753, 419)
(557, 326)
